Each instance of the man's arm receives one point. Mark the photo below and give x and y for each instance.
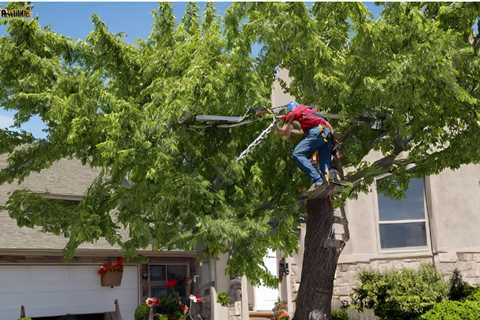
(290, 128)
(296, 128)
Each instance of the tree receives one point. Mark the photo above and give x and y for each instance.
(115, 106)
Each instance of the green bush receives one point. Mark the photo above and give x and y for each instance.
(339, 314)
(458, 289)
(454, 310)
(474, 295)
(141, 313)
(399, 295)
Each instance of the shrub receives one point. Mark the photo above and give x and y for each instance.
(474, 295)
(402, 294)
(339, 314)
(141, 312)
(454, 310)
(223, 299)
(458, 289)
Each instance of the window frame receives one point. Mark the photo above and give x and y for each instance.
(166, 264)
(421, 249)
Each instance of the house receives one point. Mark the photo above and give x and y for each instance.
(438, 222)
(33, 272)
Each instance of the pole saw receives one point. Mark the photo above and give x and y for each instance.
(257, 114)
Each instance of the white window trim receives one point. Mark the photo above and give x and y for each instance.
(421, 249)
(400, 221)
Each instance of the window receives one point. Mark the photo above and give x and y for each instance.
(402, 222)
(167, 277)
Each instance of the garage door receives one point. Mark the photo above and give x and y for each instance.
(59, 290)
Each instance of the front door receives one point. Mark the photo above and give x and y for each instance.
(266, 297)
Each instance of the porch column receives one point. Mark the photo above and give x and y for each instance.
(245, 315)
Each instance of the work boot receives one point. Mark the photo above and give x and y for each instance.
(332, 176)
(316, 188)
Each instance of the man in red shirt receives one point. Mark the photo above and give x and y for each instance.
(317, 136)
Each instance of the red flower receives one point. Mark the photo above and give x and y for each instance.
(118, 263)
(103, 269)
(152, 302)
(195, 298)
(109, 266)
(183, 308)
(171, 283)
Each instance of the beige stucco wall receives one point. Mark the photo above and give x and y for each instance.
(455, 204)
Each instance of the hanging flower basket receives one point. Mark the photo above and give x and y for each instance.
(111, 273)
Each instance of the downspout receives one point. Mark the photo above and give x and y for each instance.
(428, 202)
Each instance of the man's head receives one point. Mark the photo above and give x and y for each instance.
(291, 106)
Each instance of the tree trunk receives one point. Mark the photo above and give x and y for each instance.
(319, 264)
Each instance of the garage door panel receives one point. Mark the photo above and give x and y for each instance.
(57, 290)
(12, 279)
(48, 279)
(7, 313)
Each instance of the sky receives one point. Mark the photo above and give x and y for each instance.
(73, 19)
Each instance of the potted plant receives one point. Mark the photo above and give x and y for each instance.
(223, 299)
(280, 311)
(111, 273)
(145, 311)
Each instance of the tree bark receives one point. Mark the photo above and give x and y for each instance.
(319, 263)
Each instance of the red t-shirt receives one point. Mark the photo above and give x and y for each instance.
(307, 118)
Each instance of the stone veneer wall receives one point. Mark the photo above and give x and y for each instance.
(467, 262)
(346, 277)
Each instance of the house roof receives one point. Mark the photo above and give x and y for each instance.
(65, 179)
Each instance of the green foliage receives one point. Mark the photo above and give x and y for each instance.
(25, 318)
(474, 295)
(339, 314)
(141, 312)
(402, 294)
(115, 106)
(223, 298)
(458, 289)
(169, 304)
(454, 310)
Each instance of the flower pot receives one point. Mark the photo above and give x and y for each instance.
(112, 278)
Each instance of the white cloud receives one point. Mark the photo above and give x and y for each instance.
(5, 121)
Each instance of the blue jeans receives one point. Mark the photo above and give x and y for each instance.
(312, 142)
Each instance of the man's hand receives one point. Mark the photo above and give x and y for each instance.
(289, 129)
(285, 130)
(297, 128)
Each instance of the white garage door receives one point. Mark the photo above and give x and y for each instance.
(57, 290)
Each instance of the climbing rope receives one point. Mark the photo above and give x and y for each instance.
(261, 137)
